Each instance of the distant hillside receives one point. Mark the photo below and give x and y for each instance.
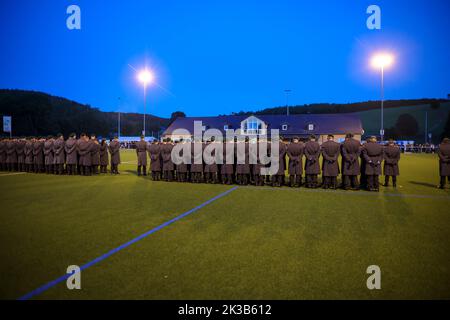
(40, 114)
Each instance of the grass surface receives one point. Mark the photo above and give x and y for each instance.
(254, 243)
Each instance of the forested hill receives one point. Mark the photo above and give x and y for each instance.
(40, 114)
(317, 108)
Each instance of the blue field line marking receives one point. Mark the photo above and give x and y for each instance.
(121, 247)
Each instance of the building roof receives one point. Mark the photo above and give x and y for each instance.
(297, 124)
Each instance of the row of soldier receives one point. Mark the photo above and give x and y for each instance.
(303, 158)
(54, 155)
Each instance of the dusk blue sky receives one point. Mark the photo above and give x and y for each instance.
(216, 57)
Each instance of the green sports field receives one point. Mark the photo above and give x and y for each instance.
(251, 243)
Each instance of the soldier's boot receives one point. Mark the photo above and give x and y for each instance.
(170, 176)
(292, 181)
(386, 181)
(139, 170)
(325, 183)
(274, 181)
(144, 170)
(354, 182)
(280, 180)
(394, 181)
(377, 183)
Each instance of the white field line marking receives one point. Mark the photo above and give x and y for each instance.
(12, 174)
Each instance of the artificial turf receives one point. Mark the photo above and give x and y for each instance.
(254, 243)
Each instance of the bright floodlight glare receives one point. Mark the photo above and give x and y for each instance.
(145, 77)
(382, 60)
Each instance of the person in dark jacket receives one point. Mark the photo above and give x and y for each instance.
(141, 153)
(84, 150)
(391, 159)
(104, 157)
(312, 166)
(444, 162)
(350, 151)
(330, 164)
(71, 150)
(167, 163)
(48, 154)
(59, 154)
(114, 151)
(295, 152)
(373, 154)
(154, 152)
(95, 154)
(363, 179)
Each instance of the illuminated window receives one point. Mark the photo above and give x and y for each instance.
(284, 127)
(310, 127)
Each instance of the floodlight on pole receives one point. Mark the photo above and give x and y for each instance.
(382, 61)
(146, 77)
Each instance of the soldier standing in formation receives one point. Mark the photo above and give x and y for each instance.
(154, 152)
(71, 154)
(29, 155)
(95, 154)
(182, 168)
(330, 165)
(312, 166)
(104, 158)
(141, 153)
(444, 162)
(20, 150)
(59, 154)
(391, 159)
(373, 155)
(114, 150)
(295, 151)
(168, 165)
(350, 151)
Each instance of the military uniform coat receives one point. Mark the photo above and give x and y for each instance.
(104, 158)
(20, 150)
(444, 159)
(29, 152)
(350, 151)
(48, 152)
(391, 159)
(242, 149)
(114, 150)
(95, 153)
(295, 153)
(227, 168)
(141, 152)
(154, 151)
(11, 155)
(38, 152)
(330, 156)
(196, 159)
(166, 155)
(212, 168)
(183, 167)
(71, 149)
(2, 152)
(84, 150)
(59, 152)
(312, 154)
(373, 154)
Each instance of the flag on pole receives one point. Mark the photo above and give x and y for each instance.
(6, 124)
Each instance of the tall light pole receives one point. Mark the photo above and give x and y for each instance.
(287, 92)
(381, 61)
(145, 77)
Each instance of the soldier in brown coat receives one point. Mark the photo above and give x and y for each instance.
(141, 153)
(391, 159)
(104, 157)
(29, 155)
(243, 162)
(211, 169)
(227, 168)
(154, 152)
(278, 178)
(71, 149)
(255, 161)
(168, 165)
(295, 152)
(11, 154)
(330, 163)
(444, 161)
(182, 168)
(20, 150)
(38, 155)
(373, 154)
(350, 151)
(95, 154)
(114, 151)
(3, 154)
(197, 162)
(84, 150)
(59, 154)
(48, 154)
(312, 165)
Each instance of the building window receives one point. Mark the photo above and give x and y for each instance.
(310, 127)
(225, 127)
(284, 127)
